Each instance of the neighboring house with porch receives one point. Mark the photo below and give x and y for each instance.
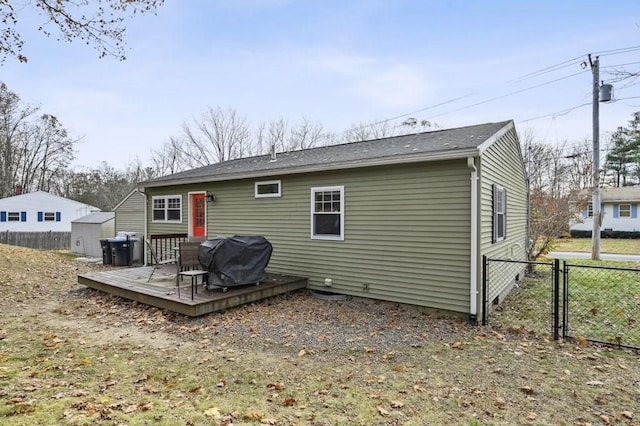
(40, 212)
(404, 219)
(619, 207)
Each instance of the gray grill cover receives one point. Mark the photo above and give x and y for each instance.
(235, 260)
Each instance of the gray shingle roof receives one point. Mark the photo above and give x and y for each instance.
(451, 143)
(611, 195)
(97, 217)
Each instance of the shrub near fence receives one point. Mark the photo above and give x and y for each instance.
(47, 240)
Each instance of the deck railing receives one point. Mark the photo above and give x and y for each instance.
(164, 244)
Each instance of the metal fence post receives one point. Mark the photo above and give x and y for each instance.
(484, 290)
(565, 298)
(556, 299)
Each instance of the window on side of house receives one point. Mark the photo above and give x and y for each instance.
(589, 210)
(499, 213)
(167, 208)
(624, 210)
(268, 188)
(13, 216)
(327, 213)
(49, 216)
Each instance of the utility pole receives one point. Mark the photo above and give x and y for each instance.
(595, 202)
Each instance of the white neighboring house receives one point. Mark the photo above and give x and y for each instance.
(619, 207)
(40, 211)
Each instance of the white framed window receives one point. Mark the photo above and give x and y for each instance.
(13, 216)
(624, 210)
(268, 188)
(167, 208)
(327, 213)
(589, 210)
(499, 213)
(49, 216)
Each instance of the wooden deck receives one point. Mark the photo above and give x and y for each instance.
(161, 291)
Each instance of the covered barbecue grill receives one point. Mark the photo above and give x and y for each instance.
(234, 261)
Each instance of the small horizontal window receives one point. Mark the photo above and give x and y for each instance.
(49, 217)
(269, 188)
(13, 216)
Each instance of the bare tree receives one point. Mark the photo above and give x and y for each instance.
(168, 158)
(218, 135)
(13, 131)
(368, 131)
(553, 201)
(305, 135)
(99, 23)
(46, 151)
(581, 166)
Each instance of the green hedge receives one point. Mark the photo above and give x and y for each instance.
(607, 234)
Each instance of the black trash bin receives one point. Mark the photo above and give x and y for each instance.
(107, 255)
(121, 249)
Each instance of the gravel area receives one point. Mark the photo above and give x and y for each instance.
(301, 320)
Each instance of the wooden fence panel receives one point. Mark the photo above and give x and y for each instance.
(47, 240)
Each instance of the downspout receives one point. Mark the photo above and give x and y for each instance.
(146, 236)
(473, 292)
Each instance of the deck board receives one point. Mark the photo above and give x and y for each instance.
(161, 292)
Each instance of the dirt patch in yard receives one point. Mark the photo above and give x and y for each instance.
(72, 355)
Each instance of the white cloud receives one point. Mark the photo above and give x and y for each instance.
(397, 86)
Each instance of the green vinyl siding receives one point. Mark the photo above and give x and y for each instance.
(406, 234)
(502, 164)
(129, 216)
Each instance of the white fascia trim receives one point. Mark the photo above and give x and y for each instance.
(500, 133)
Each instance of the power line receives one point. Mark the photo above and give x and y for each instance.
(528, 76)
(551, 68)
(510, 94)
(616, 51)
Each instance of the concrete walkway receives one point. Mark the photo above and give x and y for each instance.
(603, 256)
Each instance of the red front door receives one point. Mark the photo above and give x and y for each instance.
(198, 212)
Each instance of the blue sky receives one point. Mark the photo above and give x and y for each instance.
(340, 63)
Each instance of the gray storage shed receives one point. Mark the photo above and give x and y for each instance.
(87, 231)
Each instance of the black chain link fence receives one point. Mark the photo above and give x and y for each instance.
(599, 304)
(529, 307)
(602, 304)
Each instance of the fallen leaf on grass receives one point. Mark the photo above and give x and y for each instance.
(289, 402)
(627, 414)
(595, 383)
(397, 404)
(500, 403)
(418, 388)
(527, 390)
(531, 416)
(382, 411)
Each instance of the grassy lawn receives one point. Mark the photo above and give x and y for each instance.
(73, 356)
(607, 245)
